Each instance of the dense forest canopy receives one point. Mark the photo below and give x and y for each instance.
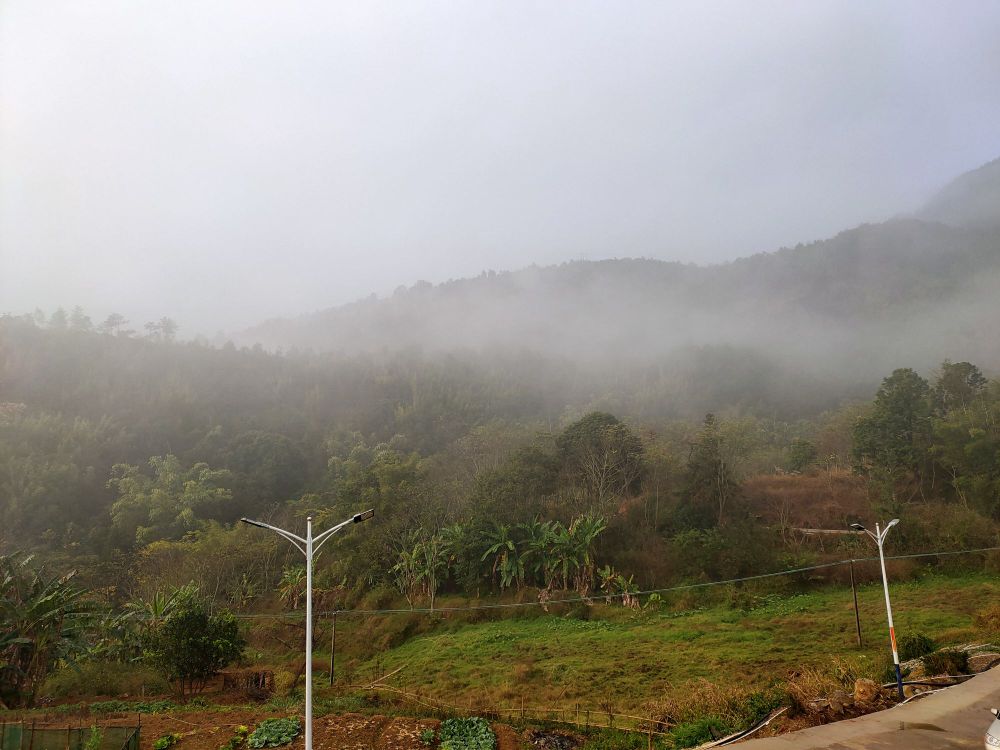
(134, 457)
(592, 437)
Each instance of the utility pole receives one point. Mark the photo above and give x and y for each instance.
(857, 614)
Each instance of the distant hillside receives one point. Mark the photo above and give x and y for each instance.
(909, 290)
(971, 200)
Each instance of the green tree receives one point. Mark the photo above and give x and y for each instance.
(958, 384)
(966, 444)
(604, 456)
(113, 325)
(801, 455)
(891, 443)
(191, 645)
(709, 487)
(168, 504)
(79, 320)
(516, 488)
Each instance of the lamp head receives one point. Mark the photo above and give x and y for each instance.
(358, 518)
(858, 527)
(891, 523)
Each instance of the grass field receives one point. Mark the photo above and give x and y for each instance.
(629, 658)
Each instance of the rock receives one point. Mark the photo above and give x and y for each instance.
(839, 700)
(910, 690)
(865, 691)
(982, 662)
(818, 705)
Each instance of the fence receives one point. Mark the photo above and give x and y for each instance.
(22, 736)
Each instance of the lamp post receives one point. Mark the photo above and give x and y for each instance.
(879, 537)
(308, 547)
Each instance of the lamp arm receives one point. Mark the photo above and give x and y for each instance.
(298, 541)
(319, 540)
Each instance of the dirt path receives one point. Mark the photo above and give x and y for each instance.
(954, 718)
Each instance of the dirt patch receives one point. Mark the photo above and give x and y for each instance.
(507, 737)
(349, 732)
(403, 733)
(199, 730)
(544, 740)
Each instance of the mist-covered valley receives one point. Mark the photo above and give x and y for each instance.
(685, 293)
(831, 315)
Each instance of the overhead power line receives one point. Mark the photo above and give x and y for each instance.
(606, 597)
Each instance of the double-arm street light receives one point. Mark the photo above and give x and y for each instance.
(308, 547)
(879, 537)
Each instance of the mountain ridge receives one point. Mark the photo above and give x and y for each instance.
(864, 285)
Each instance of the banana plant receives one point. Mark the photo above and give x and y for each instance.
(43, 622)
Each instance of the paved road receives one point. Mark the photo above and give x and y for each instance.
(954, 718)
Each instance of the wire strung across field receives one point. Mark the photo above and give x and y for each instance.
(609, 597)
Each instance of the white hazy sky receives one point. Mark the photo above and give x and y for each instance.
(224, 162)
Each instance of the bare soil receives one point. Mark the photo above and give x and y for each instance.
(210, 730)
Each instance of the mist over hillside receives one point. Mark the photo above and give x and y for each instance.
(915, 289)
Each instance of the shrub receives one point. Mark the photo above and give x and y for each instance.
(694, 733)
(125, 707)
(467, 734)
(915, 645)
(103, 678)
(947, 661)
(192, 645)
(238, 739)
(988, 620)
(166, 741)
(428, 736)
(274, 732)
(94, 740)
(284, 682)
(736, 706)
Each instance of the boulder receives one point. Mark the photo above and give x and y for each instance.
(910, 690)
(865, 691)
(839, 701)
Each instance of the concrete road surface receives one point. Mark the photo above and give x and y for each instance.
(954, 718)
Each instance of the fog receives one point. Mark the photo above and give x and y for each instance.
(227, 162)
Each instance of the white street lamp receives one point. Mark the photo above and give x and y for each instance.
(879, 537)
(308, 547)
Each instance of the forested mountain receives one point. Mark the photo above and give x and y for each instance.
(907, 289)
(523, 408)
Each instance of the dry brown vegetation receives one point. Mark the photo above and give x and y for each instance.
(828, 499)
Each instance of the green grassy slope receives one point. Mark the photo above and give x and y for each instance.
(632, 657)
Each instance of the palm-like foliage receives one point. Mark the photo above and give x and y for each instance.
(293, 585)
(121, 634)
(407, 572)
(42, 621)
(503, 550)
(537, 556)
(433, 558)
(584, 533)
(150, 613)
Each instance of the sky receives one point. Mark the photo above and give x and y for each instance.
(225, 162)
